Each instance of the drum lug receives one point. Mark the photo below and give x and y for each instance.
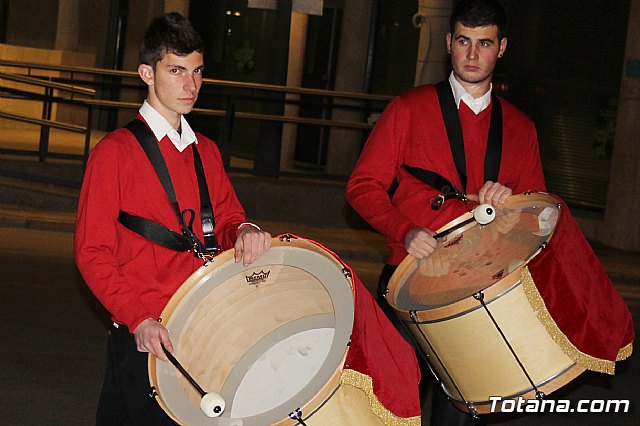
(346, 272)
(543, 245)
(297, 415)
(472, 410)
(287, 237)
(153, 393)
(479, 296)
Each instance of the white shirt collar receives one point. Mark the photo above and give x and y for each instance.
(161, 127)
(460, 94)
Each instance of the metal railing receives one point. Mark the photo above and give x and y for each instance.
(83, 87)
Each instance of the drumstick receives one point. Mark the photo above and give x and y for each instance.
(484, 214)
(211, 403)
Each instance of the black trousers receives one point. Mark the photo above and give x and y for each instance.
(443, 412)
(125, 399)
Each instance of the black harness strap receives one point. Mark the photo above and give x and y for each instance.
(494, 142)
(206, 209)
(156, 232)
(451, 119)
(434, 180)
(150, 146)
(454, 129)
(456, 141)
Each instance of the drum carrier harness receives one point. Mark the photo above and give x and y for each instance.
(158, 233)
(456, 142)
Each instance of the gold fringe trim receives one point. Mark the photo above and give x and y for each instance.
(365, 384)
(625, 352)
(587, 361)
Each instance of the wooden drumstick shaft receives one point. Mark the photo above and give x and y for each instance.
(453, 228)
(184, 372)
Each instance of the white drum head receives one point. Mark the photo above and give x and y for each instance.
(267, 338)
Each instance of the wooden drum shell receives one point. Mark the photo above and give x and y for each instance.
(478, 360)
(225, 319)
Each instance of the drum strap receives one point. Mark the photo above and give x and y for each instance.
(456, 143)
(158, 233)
(434, 180)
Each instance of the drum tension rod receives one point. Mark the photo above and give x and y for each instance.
(479, 296)
(153, 393)
(426, 358)
(297, 415)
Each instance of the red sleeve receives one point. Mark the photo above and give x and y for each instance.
(95, 239)
(375, 172)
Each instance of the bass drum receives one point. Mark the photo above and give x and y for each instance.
(471, 307)
(271, 339)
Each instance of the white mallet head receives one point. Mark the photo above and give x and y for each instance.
(212, 404)
(484, 214)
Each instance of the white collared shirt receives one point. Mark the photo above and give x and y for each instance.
(161, 127)
(460, 94)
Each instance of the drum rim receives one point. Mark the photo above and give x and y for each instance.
(317, 393)
(409, 262)
(466, 305)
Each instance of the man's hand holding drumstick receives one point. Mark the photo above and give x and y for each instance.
(421, 242)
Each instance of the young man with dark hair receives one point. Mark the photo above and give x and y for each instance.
(412, 132)
(131, 271)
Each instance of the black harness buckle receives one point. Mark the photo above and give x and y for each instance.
(446, 193)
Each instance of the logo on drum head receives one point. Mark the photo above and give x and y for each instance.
(453, 242)
(257, 278)
(498, 275)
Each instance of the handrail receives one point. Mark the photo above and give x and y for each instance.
(290, 120)
(71, 80)
(244, 115)
(43, 122)
(67, 68)
(48, 84)
(209, 81)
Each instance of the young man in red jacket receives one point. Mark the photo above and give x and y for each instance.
(132, 276)
(412, 132)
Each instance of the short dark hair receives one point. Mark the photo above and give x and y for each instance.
(169, 33)
(479, 13)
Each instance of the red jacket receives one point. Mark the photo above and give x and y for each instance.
(411, 131)
(131, 276)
